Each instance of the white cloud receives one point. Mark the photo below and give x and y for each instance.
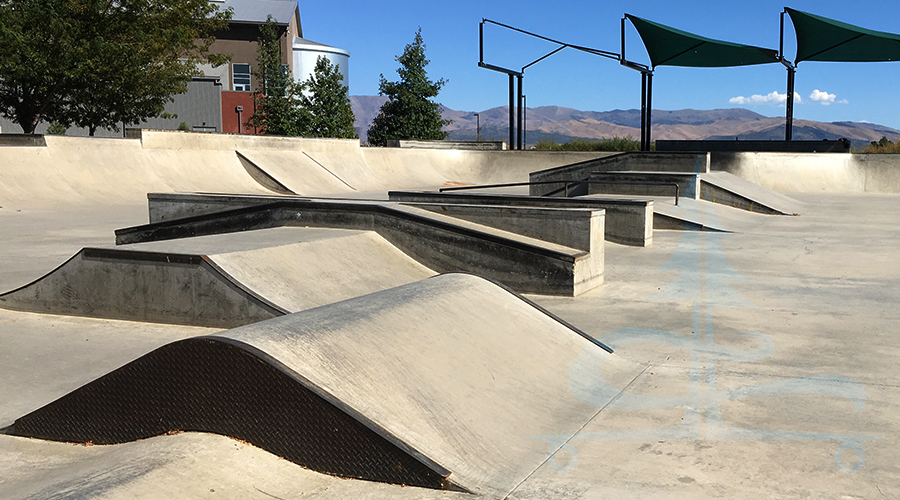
(771, 98)
(825, 98)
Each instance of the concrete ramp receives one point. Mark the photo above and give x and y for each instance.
(446, 382)
(729, 189)
(296, 172)
(219, 281)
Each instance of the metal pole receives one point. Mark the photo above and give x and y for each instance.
(512, 112)
(789, 112)
(649, 108)
(481, 41)
(477, 127)
(519, 138)
(622, 54)
(643, 111)
(525, 125)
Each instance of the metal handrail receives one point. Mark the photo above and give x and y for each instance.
(565, 185)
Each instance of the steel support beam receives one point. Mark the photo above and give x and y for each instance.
(519, 125)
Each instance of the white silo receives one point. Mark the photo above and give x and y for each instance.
(307, 52)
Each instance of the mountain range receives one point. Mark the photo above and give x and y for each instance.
(564, 124)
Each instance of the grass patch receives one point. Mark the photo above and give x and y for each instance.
(614, 144)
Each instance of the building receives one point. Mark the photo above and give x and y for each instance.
(220, 99)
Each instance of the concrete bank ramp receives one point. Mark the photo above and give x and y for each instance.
(219, 281)
(446, 382)
(729, 189)
(76, 170)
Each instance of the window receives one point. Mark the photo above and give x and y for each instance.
(241, 76)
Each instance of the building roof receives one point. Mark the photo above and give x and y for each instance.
(257, 11)
(303, 43)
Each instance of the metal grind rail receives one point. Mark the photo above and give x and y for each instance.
(565, 187)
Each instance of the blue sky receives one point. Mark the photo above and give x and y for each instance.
(375, 32)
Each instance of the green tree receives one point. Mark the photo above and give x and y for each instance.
(325, 104)
(275, 101)
(97, 63)
(409, 112)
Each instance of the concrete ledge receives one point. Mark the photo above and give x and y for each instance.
(468, 145)
(630, 161)
(627, 222)
(569, 227)
(441, 243)
(23, 140)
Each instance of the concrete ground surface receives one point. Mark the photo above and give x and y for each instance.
(766, 355)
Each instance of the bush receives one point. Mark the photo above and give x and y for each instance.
(884, 145)
(614, 144)
(57, 128)
(184, 126)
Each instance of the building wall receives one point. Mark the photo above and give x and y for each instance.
(230, 117)
(199, 108)
(305, 64)
(242, 42)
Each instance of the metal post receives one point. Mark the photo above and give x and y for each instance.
(477, 127)
(789, 111)
(649, 108)
(481, 41)
(525, 124)
(643, 111)
(512, 112)
(519, 138)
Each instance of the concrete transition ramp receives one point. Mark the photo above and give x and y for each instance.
(219, 281)
(447, 382)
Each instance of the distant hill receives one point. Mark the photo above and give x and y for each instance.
(564, 124)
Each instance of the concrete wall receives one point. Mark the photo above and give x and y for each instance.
(815, 173)
(634, 161)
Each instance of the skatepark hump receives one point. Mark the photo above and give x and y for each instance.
(445, 382)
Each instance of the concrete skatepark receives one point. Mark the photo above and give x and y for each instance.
(192, 315)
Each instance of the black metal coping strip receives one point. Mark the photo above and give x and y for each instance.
(376, 209)
(202, 218)
(510, 197)
(539, 308)
(139, 255)
(32, 282)
(331, 398)
(111, 253)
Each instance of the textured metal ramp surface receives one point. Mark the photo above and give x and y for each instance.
(213, 385)
(446, 382)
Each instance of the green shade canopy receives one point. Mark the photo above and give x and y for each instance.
(823, 39)
(672, 47)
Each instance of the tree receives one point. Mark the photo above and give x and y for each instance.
(275, 103)
(96, 63)
(324, 104)
(409, 113)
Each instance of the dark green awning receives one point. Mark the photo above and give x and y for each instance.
(672, 47)
(823, 39)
